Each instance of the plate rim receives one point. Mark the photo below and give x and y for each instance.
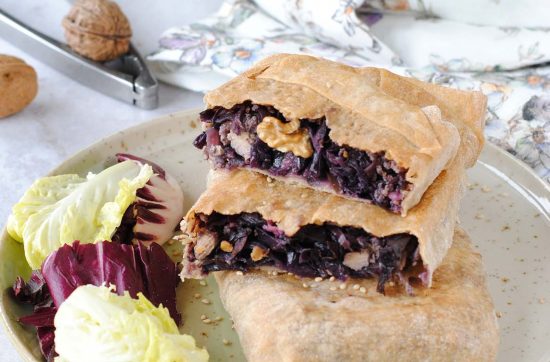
(526, 176)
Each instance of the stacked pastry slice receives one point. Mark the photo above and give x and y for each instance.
(353, 176)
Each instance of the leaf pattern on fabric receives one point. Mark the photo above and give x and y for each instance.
(505, 57)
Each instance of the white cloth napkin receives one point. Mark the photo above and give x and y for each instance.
(497, 46)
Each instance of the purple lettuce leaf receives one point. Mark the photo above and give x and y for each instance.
(36, 293)
(79, 264)
(46, 339)
(160, 277)
(131, 268)
(42, 317)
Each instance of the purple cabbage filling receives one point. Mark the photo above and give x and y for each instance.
(231, 141)
(314, 251)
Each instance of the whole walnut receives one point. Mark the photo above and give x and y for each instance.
(97, 29)
(18, 85)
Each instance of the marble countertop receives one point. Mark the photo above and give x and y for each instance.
(66, 116)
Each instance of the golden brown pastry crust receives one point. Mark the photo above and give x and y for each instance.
(367, 108)
(277, 319)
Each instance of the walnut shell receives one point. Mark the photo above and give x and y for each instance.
(97, 29)
(18, 85)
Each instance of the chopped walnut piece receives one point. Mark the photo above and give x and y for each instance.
(226, 246)
(205, 244)
(356, 260)
(285, 137)
(258, 253)
(241, 143)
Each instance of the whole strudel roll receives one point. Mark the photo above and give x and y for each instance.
(362, 133)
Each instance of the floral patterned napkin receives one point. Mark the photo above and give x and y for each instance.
(500, 48)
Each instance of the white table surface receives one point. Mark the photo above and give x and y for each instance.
(65, 116)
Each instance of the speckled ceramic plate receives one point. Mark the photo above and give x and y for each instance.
(506, 211)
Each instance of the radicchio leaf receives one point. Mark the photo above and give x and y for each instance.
(132, 268)
(46, 339)
(36, 292)
(42, 317)
(157, 211)
(78, 264)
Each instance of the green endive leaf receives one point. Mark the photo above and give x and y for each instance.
(57, 210)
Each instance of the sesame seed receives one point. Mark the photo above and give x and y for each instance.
(303, 196)
(313, 285)
(291, 274)
(203, 283)
(269, 179)
(363, 290)
(305, 285)
(226, 342)
(206, 321)
(203, 316)
(205, 301)
(355, 286)
(318, 279)
(343, 286)
(197, 295)
(240, 272)
(332, 279)
(333, 288)
(217, 319)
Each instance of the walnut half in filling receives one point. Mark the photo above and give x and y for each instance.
(231, 140)
(246, 241)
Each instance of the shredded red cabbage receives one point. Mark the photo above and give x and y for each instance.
(231, 141)
(314, 251)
